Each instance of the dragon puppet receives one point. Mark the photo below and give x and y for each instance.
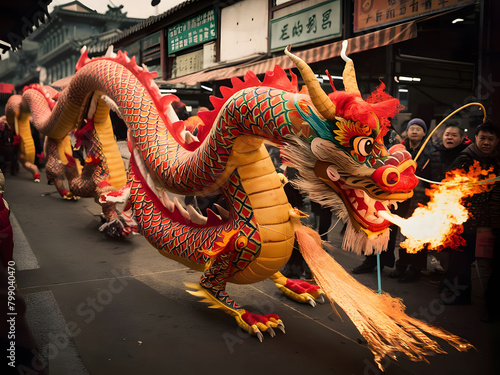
(100, 175)
(335, 141)
(18, 120)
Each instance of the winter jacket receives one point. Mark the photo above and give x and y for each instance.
(442, 158)
(479, 204)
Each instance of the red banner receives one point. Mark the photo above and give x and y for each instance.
(7, 88)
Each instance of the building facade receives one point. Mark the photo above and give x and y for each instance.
(433, 55)
(52, 50)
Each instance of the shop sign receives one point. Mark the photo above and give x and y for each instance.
(318, 22)
(150, 41)
(188, 63)
(151, 49)
(195, 30)
(369, 14)
(6, 88)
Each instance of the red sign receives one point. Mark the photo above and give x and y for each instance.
(7, 88)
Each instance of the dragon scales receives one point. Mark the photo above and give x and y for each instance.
(345, 167)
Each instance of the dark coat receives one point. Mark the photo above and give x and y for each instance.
(478, 205)
(494, 204)
(442, 158)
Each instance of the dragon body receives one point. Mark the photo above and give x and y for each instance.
(18, 119)
(345, 167)
(103, 172)
(56, 171)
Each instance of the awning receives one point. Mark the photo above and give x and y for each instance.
(380, 38)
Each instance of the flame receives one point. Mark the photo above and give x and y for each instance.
(439, 223)
(221, 243)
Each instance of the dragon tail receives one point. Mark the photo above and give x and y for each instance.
(380, 318)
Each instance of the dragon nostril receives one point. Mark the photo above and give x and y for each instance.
(391, 176)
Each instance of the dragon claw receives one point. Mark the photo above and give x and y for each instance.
(298, 290)
(257, 324)
(320, 299)
(259, 328)
(311, 301)
(271, 332)
(281, 327)
(259, 334)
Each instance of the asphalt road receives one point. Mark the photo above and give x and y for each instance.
(102, 306)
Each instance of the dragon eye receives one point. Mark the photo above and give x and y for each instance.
(363, 145)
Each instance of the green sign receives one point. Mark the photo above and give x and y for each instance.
(195, 30)
(318, 22)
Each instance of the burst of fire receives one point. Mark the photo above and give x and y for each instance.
(439, 223)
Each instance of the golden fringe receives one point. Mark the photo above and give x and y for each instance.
(379, 318)
(358, 242)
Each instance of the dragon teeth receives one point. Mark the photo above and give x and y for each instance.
(165, 199)
(195, 216)
(181, 209)
(370, 202)
(374, 219)
(222, 211)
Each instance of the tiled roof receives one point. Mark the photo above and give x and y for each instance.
(59, 12)
(153, 20)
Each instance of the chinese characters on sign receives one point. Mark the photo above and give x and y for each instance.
(196, 30)
(321, 21)
(187, 63)
(374, 13)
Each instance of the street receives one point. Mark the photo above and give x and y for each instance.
(101, 306)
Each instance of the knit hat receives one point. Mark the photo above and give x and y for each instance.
(419, 122)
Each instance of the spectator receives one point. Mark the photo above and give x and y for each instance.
(409, 266)
(458, 274)
(452, 143)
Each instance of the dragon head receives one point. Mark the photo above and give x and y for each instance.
(347, 155)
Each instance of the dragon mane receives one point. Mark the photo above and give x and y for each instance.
(351, 106)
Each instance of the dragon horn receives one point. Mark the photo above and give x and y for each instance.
(349, 75)
(319, 98)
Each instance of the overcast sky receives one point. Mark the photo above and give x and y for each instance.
(134, 8)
